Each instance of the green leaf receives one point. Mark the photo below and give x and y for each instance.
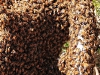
(96, 4)
(98, 50)
(63, 50)
(66, 45)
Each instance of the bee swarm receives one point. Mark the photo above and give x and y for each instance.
(79, 58)
(32, 33)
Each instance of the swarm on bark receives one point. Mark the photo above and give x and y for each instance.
(37, 29)
(79, 58)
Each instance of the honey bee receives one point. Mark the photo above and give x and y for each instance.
(85, 65)
(13, 51)
(1, 50)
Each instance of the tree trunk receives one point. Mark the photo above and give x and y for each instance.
(79, 58)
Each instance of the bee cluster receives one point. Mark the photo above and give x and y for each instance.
(35, 31)
(79, 58)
